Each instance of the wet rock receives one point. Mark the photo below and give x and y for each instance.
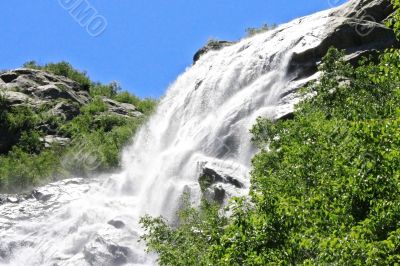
(350, 34)
(102, 252)
(40, 195)
(117, 224)
(220, 180)
(356, 27)
(215, 194)
(13, 200)
(212, 176)
(212, 45)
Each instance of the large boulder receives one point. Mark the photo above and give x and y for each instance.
(358, 27)
(104, 252)
(222, 179)
(124, 109)
(65, 109)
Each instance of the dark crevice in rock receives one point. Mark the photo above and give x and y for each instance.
(9, 77)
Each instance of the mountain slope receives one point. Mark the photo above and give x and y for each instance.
(54, 127)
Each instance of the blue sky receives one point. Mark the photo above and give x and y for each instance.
(146, 43)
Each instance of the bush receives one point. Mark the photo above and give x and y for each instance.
(189, 243)
(264, 28)
(110, 90)
(20, 169)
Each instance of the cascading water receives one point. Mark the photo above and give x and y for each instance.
(204, 118)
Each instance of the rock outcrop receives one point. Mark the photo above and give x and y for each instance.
(358, 27)
(57, 95)
(220, 180)
(212, 45)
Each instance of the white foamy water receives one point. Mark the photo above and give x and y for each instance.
(205, 117)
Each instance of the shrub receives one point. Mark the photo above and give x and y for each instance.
(189, 243)
(20, 169)
(110, 90)
(264, 28)
(96, 106)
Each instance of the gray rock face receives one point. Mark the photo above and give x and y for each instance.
(101, 252)
(15, 98)
(8, 77)
(36, 88)
(68, 110)
(124, 109)
(51, 140)
(358, 28)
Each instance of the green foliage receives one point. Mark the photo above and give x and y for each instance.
(188, 244)
(100, 139)
(96, 106)
(265, 27)
(110, 90)
(325, 186)
(21, 170)
(394, 20)
(30, 142)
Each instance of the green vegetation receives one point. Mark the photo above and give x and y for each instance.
(325, 185)
(96, 135)
(265, 27)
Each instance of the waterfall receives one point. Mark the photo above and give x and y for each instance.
(204, 118)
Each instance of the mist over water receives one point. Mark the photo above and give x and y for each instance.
(205, 117)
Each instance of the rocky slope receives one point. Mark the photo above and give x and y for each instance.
(57, 95)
